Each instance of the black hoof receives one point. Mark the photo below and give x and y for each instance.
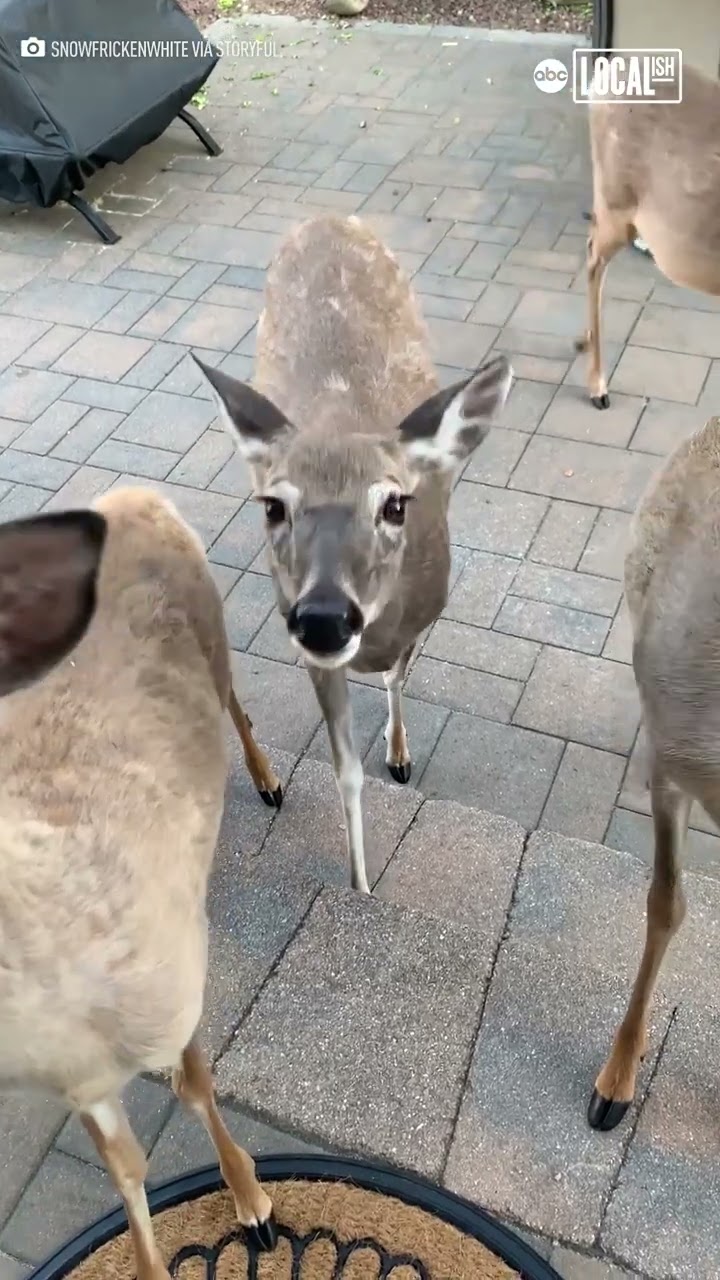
(265, 1236)
(601, 402)
(400, 772)
(603, 1113)
(273, 799)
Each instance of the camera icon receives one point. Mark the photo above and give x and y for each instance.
(32, 47)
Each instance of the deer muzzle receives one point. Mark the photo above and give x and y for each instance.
(325, 622)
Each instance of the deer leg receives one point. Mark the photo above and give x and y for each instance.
(192, 1082)
(603, 243)
(332, 693)
(125, 1161)
(397, 756)
(258, 765)
(615, 1086)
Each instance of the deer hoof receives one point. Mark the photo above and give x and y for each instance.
(400, 772)
(601, 402)
(603, 1113)
(265, 1236)
(273, 799)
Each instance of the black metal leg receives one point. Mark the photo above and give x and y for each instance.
(212, 147)
(97, 222)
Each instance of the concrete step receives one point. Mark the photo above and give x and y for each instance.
(454, 1022)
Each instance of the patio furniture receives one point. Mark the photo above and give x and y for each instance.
(91, 84)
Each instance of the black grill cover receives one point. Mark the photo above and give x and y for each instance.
(64, 117)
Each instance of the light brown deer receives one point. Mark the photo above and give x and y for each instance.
(656, 175)
(353, 451)
(112, 776)
(672, 586)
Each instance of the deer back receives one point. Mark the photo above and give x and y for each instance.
(341, 341)
(112, 774)
(660, 164)
(672, 585)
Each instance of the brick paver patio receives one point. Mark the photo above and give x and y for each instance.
(454, 1027)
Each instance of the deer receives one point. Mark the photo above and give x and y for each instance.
(656, 178)
(115, 674)
(353, 449)
(671, 588)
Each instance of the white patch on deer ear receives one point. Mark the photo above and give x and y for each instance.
(254, 453)
(253, 449)
(462, 424)
(284, 490)
(255, 424)
(441, 450)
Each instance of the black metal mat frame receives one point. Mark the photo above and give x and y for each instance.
(409, 1188)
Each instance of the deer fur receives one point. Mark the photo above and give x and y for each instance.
(672, 587)
(112, 776)
(656, 175)
(353, 449)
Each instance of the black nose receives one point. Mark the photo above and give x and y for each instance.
(324, 623)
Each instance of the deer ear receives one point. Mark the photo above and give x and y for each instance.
(443, 431)
(253, 421)
(48, 573)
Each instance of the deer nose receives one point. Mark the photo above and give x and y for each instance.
(324, 623)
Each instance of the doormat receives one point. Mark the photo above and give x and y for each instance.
(337, 1219)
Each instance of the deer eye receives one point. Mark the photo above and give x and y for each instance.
(274, 511)
(393, 511)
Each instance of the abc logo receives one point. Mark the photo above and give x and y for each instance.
(550, 75)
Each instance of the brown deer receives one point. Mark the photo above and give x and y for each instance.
(112, 776)
(353, 451)
(672, 586)
(656, 175)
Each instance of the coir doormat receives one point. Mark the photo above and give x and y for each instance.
(337, 1219)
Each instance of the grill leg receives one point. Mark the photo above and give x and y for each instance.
(97, 222)
(212, 147)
